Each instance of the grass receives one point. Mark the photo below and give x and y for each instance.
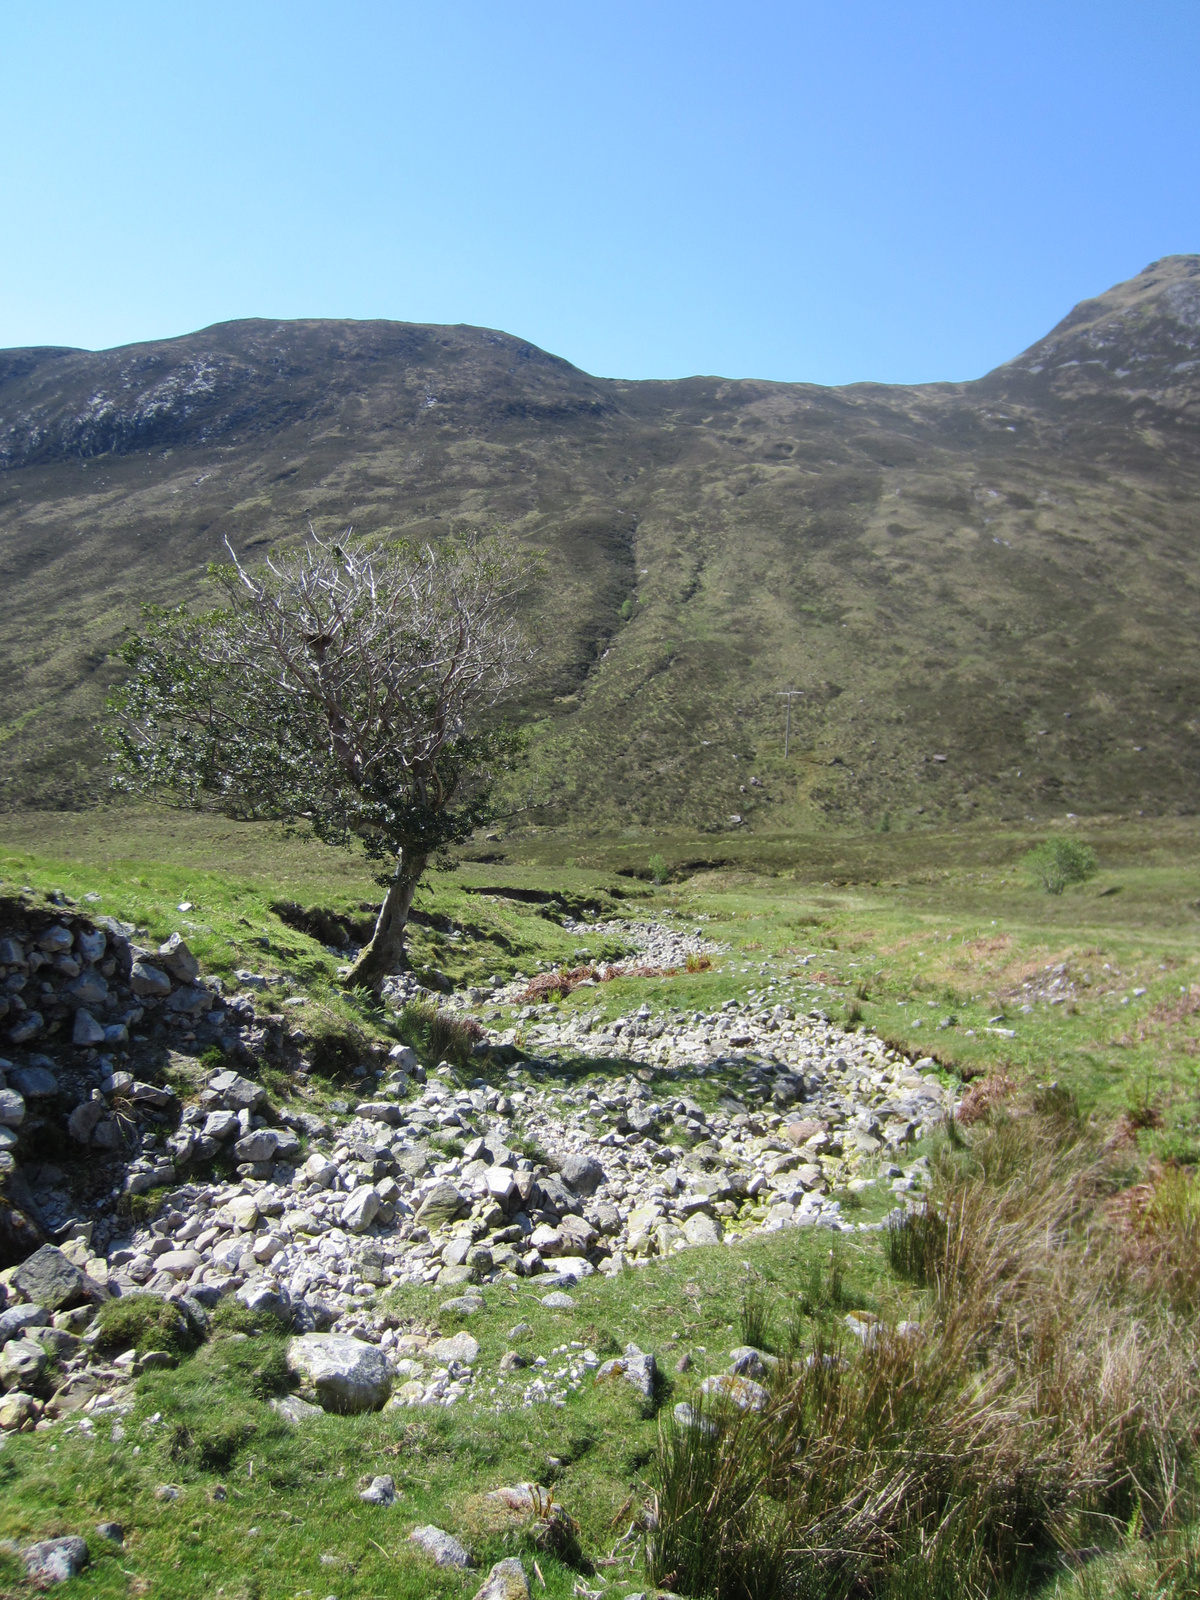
(997, 1268)
(1047, 1403)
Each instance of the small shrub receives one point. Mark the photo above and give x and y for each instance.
(1056, 863)
(695, 963)
(658, 868)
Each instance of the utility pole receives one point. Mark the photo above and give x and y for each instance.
(787, 732)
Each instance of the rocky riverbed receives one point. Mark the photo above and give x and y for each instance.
(593, 1145)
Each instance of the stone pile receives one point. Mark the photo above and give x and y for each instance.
(433, 1178)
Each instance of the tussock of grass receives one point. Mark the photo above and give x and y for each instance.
(144, 1322)
(435, 1036)
(755, 1319)
(1049, 1397)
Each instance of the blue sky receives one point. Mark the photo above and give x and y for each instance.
(824, 192)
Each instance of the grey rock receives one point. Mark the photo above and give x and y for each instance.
(260, 1145)
(220, 1125)
(443, 1547)
(108, 1135)
(379, 1111)
(179, 1263)
(150, 1094)
(747, 1362)
(459, 1347)
(191, 1002)
(149, 982)
(637, 1367)
(22, 1362)
(55, 1560)
(347, 1374)
(465, 1305)
(441, 1205)
(361, 1209)
(90, 988)
(86, 1030)
(292, 1409)
(701, 1229)
(91, 943)
(16, 1319)
(12, 1109)
(582, 1173)
(33, 1082)
(687, 1416)
(556, 1300)
(49, 1279)
(506, 1581)
(114, 1532)
(178, 959)
(380, 1492)
(56, 940)
(238, 1093)
(27, 1028)
(744, 1393)
(264, 1297)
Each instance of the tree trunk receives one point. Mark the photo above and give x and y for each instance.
(386, 954)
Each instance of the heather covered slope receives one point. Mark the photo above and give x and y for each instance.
(999, 573)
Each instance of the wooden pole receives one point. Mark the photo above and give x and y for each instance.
(787, 730)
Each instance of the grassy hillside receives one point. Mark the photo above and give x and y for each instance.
(1000, 574)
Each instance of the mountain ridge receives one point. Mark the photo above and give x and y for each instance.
(939, 564)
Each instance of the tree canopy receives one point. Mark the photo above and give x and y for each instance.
(351, 683)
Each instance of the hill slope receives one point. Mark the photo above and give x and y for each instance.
(1000, 573)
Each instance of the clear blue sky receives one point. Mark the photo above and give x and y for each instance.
(826, 191)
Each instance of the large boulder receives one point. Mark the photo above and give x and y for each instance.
(49, 1279)
(238, 1093)
(440, 1206)
(178, 959)
(584, 1174)
(701, 1229)
(149, 982)
(259, 1145)
(346, 1374)
(361, 1209)
(34, 1081)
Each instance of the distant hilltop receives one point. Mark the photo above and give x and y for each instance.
(1000, 572)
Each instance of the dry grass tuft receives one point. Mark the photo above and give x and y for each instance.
(1050, 1397)
(984, 1095)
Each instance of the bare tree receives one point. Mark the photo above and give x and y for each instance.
(348, 683)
